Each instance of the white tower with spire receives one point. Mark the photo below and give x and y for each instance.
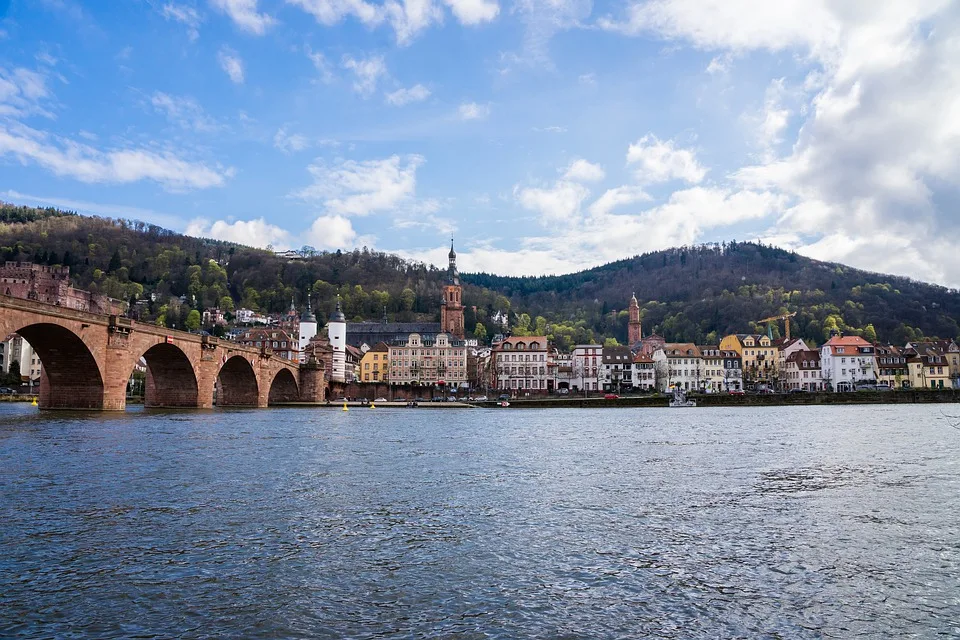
(308, 329)
(337, 333)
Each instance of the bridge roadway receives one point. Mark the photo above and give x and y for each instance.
(88, 358)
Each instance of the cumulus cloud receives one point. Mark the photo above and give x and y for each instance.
(472, 12)
(65, 157)
(582, 171)
(359, 188)
(231, 64)
(367, 73)
(185, 15)
(661, 161)
(332, 232)
(402, 96)
(245, 14)
(559, 203)
(253, 233)
(473, 111)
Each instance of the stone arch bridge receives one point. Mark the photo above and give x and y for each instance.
(88, 358)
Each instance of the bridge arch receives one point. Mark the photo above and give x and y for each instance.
(171, 380)
(237, 384)
(71, 377)
(283, 388)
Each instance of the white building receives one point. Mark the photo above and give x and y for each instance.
(684, 365)
(521, 365)
(586, 361)
(337, 333)
(308, 329)
(846, 361)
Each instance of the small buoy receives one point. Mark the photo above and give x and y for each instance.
(34, 403)
(372, 406)
(345, 406)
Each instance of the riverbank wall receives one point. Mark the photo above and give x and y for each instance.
(728, 400)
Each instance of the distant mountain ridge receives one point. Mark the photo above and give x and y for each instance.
(695, 294)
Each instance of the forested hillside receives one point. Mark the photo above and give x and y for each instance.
(688, 294)
(702, 293)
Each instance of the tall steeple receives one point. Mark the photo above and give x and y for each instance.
(451, 305)
(452, 274)
(634, 328)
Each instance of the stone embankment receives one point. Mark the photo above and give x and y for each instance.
(728, 400)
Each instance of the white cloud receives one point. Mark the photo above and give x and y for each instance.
(367, 72)
(231, 63)
(719, 64)
(321, 64)
(361, 188)
(472, 12)
(23, 92)
(69, 158)
(660, 161)
(473, 111)
(582, 171)
(289, 142)
(184, 112)
(400, 97)
(877, 155)
(253, 233)
(550, 129)
(245, 15)
(618, 196)
(407, 18)
(185, 15)
(332, 232)
(557, 204)
(587, 79)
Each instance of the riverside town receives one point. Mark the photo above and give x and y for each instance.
(390, 360)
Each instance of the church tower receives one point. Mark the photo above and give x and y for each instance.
(451, 307)
(634, 328)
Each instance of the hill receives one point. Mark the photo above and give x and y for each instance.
(687, 294)
(704, 292)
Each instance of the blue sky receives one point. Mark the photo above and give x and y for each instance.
(546, 136)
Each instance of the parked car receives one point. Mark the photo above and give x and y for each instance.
(563, 392)
(481, 398)
(7, 391)
(798, 391)
(610, 396)
(452, 399)
(381, 400)
(504, 396)
(437, 399)
(736, 392)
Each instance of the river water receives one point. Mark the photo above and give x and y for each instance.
(800, 522)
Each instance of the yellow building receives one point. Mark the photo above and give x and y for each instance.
(928, 370)
(374, 363)
(758, 354)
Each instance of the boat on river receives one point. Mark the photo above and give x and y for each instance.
(679, 399)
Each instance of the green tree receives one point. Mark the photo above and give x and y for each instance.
(611, 342)
(226, 304)
(407, 299)
(480, 332)
(869, 333)
(193, 320)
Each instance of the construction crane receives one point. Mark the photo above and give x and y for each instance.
(785, 317)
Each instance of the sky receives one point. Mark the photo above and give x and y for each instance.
(546, 136)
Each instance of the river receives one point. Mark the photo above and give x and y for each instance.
(773, 522)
